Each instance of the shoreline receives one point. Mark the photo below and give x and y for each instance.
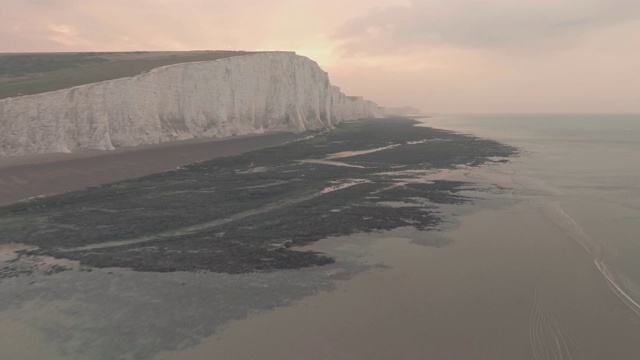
(251, 204)
(507, 282)
(31, 176)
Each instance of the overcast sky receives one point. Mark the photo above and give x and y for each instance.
(443, 56)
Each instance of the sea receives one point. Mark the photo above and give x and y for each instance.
(584, 170)
(543, 263)
(544, 266)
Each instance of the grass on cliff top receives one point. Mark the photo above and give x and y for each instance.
(34, 73)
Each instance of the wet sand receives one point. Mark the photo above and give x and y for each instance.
(28, 176)
(512, 285)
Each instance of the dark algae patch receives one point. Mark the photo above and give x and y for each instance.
(249, 212)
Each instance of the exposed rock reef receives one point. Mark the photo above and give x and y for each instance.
(243, 213)
(272, 91)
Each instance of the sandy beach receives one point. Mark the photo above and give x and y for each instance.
(36, 175)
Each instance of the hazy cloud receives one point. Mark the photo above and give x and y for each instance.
(438, 55)
(484, 24)
(34, 25)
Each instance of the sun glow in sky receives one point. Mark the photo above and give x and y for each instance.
(437, 55)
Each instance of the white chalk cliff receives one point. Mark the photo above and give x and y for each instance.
(273, 91)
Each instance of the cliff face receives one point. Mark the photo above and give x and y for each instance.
(276, 91)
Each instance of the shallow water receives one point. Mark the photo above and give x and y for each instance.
(546, 269)
(585, 169)
(508, 286)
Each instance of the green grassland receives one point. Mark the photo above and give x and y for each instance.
(34, 73)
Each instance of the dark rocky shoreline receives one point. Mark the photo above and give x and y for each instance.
(249, 212)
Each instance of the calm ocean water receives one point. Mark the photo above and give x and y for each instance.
(584, 170)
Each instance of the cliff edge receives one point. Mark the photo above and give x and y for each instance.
(273, 91)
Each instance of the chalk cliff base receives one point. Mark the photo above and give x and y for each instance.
(24, 177)
(264, 92)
